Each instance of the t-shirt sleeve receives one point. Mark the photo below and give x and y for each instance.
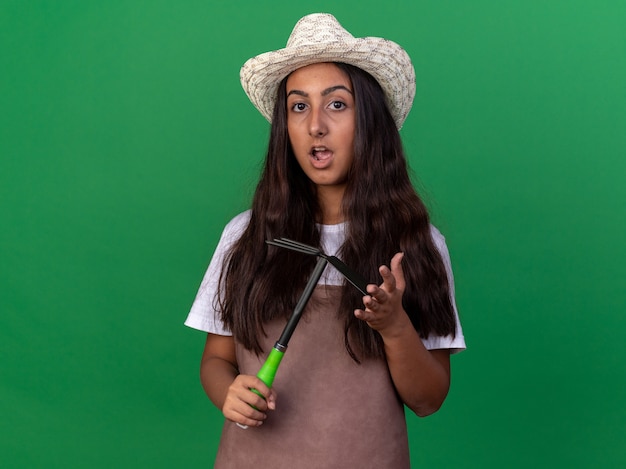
(204, 314)
(457, 343)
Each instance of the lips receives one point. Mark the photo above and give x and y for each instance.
(321, 154)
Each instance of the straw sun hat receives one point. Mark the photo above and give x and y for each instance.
(320, 38)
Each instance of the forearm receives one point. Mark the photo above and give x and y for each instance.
(421, 377)
(216, 375)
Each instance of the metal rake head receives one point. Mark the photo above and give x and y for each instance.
(353, 277)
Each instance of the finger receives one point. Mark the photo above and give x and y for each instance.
(363, 315)
(376, 301)
(252, 391)
(256, 400)
(271, 399)
(244, 420)
(379, 297)
(397, 271)
(389, 281)
(263, 390)
(242, 412)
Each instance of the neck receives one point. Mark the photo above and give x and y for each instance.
(330, 199)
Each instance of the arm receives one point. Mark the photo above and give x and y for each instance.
(421, 377)
(229, 390)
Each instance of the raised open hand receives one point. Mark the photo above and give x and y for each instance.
(383, 306)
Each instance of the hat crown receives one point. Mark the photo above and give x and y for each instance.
(318, 38)
(318, 28)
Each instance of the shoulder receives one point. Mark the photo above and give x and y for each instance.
(231, 233)
(235, 227)
(238, 224)
(438, 238)
(439, 241)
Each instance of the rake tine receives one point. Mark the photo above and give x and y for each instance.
(351, 276)
(297, 243)
(294, 247)
(302, 246)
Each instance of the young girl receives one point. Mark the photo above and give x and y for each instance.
(335, 177)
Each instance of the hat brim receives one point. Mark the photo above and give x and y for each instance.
(385, 60)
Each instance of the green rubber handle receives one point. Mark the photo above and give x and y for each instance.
(267, 373)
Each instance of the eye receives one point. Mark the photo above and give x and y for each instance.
(337, 105)
(298, 107)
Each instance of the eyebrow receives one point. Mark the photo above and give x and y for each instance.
(327, 91)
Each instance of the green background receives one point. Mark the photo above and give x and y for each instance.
(126, 143)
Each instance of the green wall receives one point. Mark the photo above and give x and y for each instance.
(126, 143)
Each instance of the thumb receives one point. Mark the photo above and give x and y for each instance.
(396, 270)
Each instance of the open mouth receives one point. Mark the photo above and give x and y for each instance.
(321, 153)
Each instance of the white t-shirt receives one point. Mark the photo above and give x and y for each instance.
(205, 317)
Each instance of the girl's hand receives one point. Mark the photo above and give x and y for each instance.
(383, 306)
(244, 406)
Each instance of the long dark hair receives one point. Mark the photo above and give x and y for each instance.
(384, 216)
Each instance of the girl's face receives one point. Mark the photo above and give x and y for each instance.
(321, 123)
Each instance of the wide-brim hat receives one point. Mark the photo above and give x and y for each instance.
(320, 38)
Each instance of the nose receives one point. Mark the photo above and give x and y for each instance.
(317, 124)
